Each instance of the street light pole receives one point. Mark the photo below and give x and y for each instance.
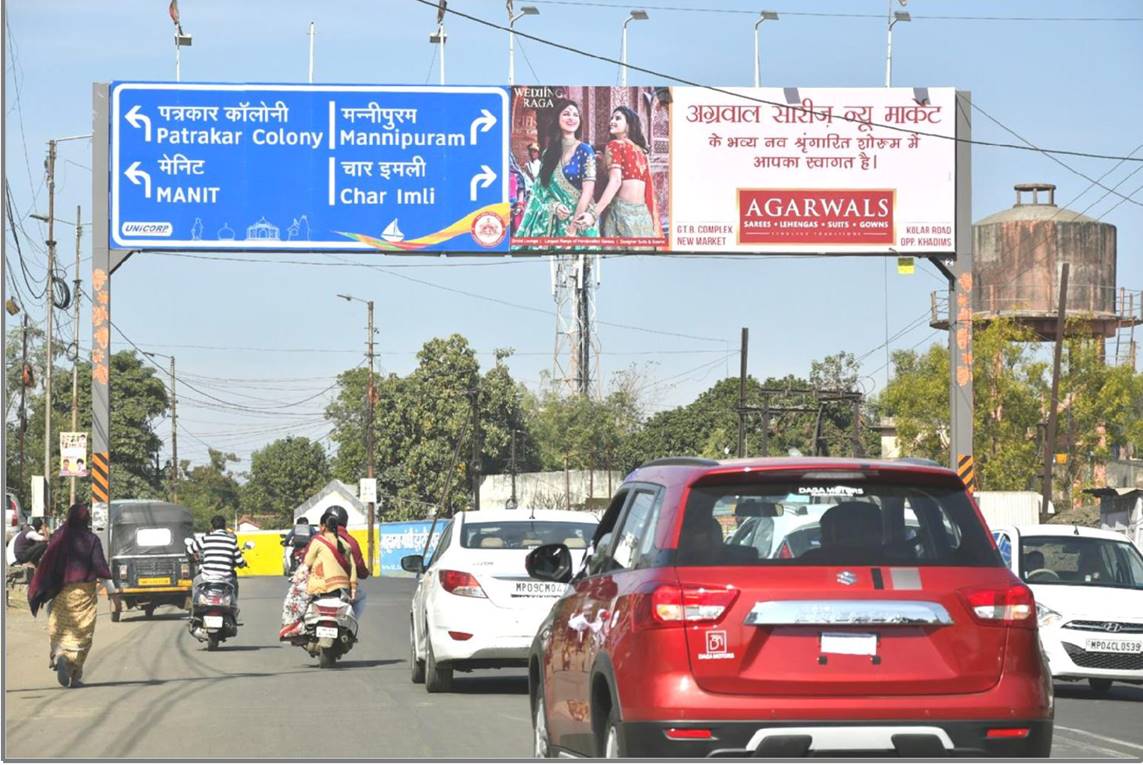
(370, 402)
(311, 36)
(894, 18)
(527, 10)
(764, 16)
(634, 16)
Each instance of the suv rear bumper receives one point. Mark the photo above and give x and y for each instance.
(909, 738)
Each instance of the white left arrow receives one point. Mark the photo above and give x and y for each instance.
(137, 176)
(136, 119)
(485, 122)
(485, 178)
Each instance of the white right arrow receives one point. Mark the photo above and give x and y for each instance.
(485, 122)
(485, 178)
(137, 176)
(135, 119)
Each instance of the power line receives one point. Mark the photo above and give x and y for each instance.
(822, 14)
(763, 101)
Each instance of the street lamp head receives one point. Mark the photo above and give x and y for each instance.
(183, 41)
(346, 298)
(38, 216)
(437, 38)
(530, 10)
(769, 15)
(902, 16)
(639, 16)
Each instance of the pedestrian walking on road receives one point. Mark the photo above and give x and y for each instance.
(66, 580)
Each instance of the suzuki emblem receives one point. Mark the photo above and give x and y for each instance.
(1112, 626)
(847, 577)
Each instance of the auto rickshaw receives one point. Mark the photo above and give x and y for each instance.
(146, 553)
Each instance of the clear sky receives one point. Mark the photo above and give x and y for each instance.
(1059, 84)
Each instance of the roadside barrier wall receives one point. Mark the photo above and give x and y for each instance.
(395, 540)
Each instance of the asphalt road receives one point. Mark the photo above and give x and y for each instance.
(153, 692)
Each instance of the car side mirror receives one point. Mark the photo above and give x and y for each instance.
(414, 564)
(551, 563)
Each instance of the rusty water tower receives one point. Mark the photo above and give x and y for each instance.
(1017, 254)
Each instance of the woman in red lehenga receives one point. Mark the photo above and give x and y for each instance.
(629, 198)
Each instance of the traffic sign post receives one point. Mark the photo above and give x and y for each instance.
(400, 169)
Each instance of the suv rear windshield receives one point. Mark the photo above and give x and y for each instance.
(524, 535)
(1083, 561)
(832, 523)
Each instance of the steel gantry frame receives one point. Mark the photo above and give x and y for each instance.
(575, 278)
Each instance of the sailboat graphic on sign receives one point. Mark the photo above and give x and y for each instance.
(392, 233)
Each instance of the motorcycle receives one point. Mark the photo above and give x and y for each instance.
(214, 613)
(329, 629)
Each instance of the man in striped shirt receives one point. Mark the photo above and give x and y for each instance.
(218, 554)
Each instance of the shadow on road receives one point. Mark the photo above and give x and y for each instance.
(1118, 692)
(224, 648)
(362, 663)
(167, 617)
(515, 685)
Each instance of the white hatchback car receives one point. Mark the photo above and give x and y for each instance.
(1088, 585)
(475, 607)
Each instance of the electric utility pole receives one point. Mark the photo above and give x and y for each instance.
(175, 438)
(371, 396)
(1050, 436)
(742, 392)
(474, 404)
(75, 361)
(49, 294)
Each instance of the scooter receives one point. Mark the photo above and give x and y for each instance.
(329, 629)
(214, 609)
(214, 613)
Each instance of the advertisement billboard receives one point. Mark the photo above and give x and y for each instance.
(533, 169)
(73, 454)
(815, 170)
(589, 168)
(399, 539)
(401, 169)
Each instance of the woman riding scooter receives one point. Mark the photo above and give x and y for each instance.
(328, 570)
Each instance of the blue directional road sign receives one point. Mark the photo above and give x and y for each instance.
(401, 169)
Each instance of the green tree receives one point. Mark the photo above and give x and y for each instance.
(283, 474)
(210, 489)
(422, 427)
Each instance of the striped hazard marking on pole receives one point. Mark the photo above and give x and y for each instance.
(966, 469)
(100, 476)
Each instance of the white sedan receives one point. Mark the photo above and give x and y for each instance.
(475, 607)
(1088, 585)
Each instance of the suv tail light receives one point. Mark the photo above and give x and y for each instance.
(690, 604)
(1013, 606)
(461, 583)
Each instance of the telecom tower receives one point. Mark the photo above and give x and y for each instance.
(575, 363)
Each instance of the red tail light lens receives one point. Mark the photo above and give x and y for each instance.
(1013, 606)
(1008, 733)
(784, 552)
(459, 635)
(461, 583)
(672, 604)
(327, 610)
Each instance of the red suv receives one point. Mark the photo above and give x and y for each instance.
(783, 607)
